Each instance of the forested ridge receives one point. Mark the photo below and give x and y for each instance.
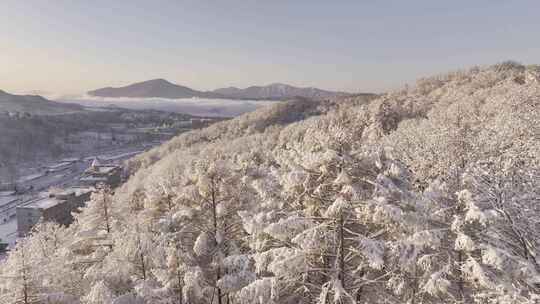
(429, 194)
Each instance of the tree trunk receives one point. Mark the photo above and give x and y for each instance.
(179, 277)
(341, 255)
(169, 202)
(460, 282)
(143, 265)
(214, 218)
(106, 213)
(360, 289)
(415, 280)
(24, 277)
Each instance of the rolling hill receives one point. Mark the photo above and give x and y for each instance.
(34, 104)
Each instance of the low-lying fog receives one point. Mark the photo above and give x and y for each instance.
(193, 106)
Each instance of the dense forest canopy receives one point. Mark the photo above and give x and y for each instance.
(428, 194)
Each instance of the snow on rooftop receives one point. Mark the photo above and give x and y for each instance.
(106, 169)
(74, 191)
(102, 169)
(93, 179)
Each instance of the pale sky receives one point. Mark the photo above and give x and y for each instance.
(69, 47)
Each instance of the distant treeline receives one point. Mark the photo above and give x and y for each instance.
(29, 138)
(25, 138)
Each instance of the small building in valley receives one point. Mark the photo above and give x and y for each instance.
(56, 207)
(101, 174)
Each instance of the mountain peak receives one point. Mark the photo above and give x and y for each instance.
(279, 84)
(154, 88)
(160, 81)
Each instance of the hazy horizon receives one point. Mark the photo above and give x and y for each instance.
(74, 46)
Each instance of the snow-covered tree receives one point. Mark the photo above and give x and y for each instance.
(19, 277)
(500, 230)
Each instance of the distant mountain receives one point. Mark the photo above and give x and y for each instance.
(160, 88)
(276, 91)
(34, 104)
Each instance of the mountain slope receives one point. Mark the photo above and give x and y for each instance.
(276, 91)
(35, 105)
(159, 88)
(423, 195)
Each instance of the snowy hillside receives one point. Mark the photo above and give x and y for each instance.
(429, 194)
